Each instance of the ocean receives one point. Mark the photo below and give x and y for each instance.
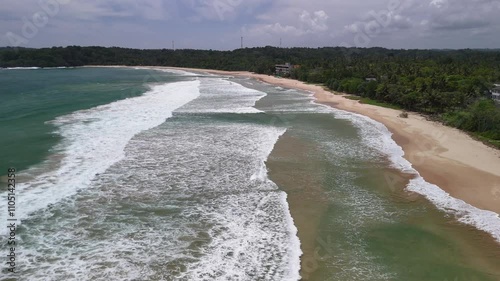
(141, 174)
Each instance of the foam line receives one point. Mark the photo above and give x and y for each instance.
(95, 139)
(376, 135)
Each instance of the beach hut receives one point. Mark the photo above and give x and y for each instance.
(495, 94)
(283, 69)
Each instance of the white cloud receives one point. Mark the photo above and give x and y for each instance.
(415, 23)
(462, 15)
(438, 3)
(316, 22)
(353, 28)
(220, 10)
(308, 23)
(88, 9)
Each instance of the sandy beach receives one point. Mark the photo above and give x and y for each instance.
(352, 220)
(449, 158)
(461, 166)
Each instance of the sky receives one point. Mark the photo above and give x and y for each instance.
(220, 24)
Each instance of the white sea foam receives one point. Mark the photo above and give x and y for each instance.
(34, 67)
(487, 221)
(169, 70)
(295, 252)
(94, 139)
(22, 68)
(262, 221)
(254, 237)
(261, 174)
(229, 96)
(59, 67)
(190, 200)
(176, 71)
(376, 135)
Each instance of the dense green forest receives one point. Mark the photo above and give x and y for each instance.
(448, 85)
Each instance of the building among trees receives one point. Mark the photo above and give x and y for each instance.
(495, 93)
(283, 69)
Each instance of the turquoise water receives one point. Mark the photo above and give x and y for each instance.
(330, 161)
(130, 174)
(161, 184)
(30, 98)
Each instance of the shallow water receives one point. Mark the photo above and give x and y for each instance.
(172, 184)
(369, 226)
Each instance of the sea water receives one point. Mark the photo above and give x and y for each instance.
(135, 174)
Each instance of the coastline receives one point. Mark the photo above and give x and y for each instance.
(444, 156)
(457, 164)
(351, 220)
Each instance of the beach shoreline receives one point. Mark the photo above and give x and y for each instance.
(253, 176)
(447, 157)
(462, 167)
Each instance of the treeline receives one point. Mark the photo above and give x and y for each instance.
(450, 85)
(246, 59)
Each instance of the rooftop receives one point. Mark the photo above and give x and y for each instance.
(284, 65)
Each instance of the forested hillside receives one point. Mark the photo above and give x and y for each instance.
(449, 85)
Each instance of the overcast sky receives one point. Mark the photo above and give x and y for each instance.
(219, 24)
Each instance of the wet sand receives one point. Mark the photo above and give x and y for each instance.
(465, 168)
(306, 197)
(449, 158)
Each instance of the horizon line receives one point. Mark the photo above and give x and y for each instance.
(255, 47)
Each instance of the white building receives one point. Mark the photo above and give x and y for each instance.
(282, 69)
(495, 94)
